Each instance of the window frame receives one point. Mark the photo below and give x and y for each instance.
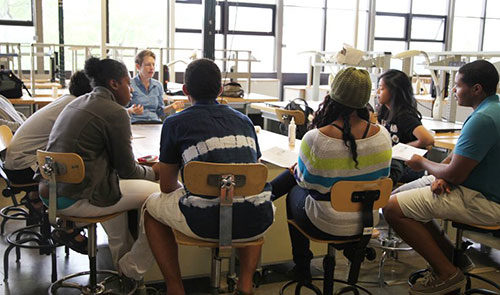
(23, 23)
(408, 24)
(224, 16)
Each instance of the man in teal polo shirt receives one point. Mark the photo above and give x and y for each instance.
(466, 189)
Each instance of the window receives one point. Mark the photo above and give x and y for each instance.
(428, 28)
(395, 22)
(243, 19)
(82, 21)
(300, 36)
(340, 25)
(491, 41)
(132, 23)
(239, 25)
(390, 27)
(17, 34)
(16, 12)
(429, 7)
(401, 6)
(467, 22)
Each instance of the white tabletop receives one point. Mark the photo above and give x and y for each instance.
(274, 147)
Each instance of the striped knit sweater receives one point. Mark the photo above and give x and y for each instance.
(324, 160)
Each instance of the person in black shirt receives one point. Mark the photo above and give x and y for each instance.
(398, 113)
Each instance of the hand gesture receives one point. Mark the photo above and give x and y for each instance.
(177, 105)
(136, 109)
(440, 186)
(416, 163)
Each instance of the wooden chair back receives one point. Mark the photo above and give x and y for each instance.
(68, 167)
(59, 167)
(283, 114)
(344, 195)
(5, 137)
(201, 178)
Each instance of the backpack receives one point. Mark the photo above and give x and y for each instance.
(232, 89)
(301, 105)
(10, 85)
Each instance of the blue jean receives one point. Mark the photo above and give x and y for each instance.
(295, 209)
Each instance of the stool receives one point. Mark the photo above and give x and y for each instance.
(36, 236)
(390, 245)
(14, 211)
(460, 248)
(228, 182)
(216, 261)
(17, 210)
(348, 196)
(94, 287)
(70, 168)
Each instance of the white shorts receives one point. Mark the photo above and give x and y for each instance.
(461, 204)
(165, 208)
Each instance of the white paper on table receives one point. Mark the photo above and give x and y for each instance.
(135, 136)
(404, 152)
(279, 157)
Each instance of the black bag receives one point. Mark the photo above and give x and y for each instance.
(301, 105)
(10, 85)
(232, 89)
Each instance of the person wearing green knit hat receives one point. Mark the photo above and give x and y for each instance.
(351, 87)
(341, 145)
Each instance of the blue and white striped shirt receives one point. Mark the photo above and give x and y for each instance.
(216, 133)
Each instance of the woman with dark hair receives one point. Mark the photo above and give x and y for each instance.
(147, 104)
(96, 126)
(343, 145)
(398, 113)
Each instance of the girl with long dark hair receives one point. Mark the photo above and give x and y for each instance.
(398, 113)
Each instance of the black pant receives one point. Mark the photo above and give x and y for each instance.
(400, 172)
(285, 183)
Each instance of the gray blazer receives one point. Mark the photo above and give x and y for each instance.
(97, 128)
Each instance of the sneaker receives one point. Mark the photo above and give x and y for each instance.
(431, 284)
(464, 263)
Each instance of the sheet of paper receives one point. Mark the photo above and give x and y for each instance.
(136, 135)
(279, 157)
(404, 152)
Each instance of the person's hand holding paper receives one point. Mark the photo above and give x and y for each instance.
(404, 152)
(415, 163)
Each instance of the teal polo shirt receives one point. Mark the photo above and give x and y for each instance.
(480, 141)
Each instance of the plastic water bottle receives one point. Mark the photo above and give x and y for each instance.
(291, 132)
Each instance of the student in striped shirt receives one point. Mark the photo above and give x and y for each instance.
(209, 132)
(343, 145)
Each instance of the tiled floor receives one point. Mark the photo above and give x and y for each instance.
(31, 275)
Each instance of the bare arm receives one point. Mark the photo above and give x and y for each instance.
(455, 172)
(424, 137)
(169, 174)
(174, 106)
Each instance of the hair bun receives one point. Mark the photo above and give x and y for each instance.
(92, 67)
